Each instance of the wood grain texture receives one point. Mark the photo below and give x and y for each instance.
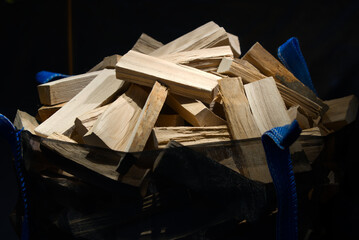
(64, 89)
(147, 119)
(270, 66)
(26, 121)
(103, 87)
(267, 105)
(194, 111)
(342, 111)
(114, 127)
(206, 36)
(182, 80)
(146, 44)
(85, 122)
(234, 42)
(239, 117)
(46, 111)
(190, 135)
(60, 137)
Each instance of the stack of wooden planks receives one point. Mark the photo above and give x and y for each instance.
(196, 89)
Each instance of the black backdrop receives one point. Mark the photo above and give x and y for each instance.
(34, 38)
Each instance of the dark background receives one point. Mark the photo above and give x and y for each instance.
(34, 38)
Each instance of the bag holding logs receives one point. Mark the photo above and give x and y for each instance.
(165, 140)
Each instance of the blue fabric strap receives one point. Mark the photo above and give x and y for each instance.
(9, 133)
(276, 144)
(45, 76)
(292, 58)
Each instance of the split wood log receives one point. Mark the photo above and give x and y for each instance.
(146, 44)
(182, 80)
(64, 89)
(194, 111)
(45, 112)
(115, 125)
(26, 121)
(267, 105)
(248, 73)
(206, 36)
(238, 114)
(190, 135)
(270, 66)
(85, 122)
(234, 42)
(342, 111)
(95, 94)
(303, 122)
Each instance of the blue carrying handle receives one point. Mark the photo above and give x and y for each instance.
(292, 58)
(13, 136)
(276, 144)
(46, 76)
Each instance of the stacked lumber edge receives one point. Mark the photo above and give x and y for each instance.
(196, 89)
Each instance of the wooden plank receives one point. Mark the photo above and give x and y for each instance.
(267, 105)
(64, 89)
(60, 137)
(147, 119)
(107, 62)
(186, 57)
(190, 135)
(232, 68)
(140, 133)
(206, 36)
(26, 121)
(194, 111)
(239, 117)
(46, 111)
(102, 88)
(169, 120)
(86, 121)
(146, 44)
(342, 111)
(234, 42)
(114, 127)
(182, 80)
(270, 66)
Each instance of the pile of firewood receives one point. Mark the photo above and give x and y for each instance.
(193, 90)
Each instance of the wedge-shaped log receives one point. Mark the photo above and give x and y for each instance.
(303, 121)
(100, 90)
(46, 111)
(342, 111)
(238, 114)
(115, 125)
(26, 121)
(190, 135)
(234, 42)
(141, 131)
(182, 80)
(64, 89)
(206, 36)
(194, 111)
(270, 66)
(232, 68)
(267, 105)
(85, 122)
(107, 62)
(146, 44)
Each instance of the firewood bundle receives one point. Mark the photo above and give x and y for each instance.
(196, 89)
